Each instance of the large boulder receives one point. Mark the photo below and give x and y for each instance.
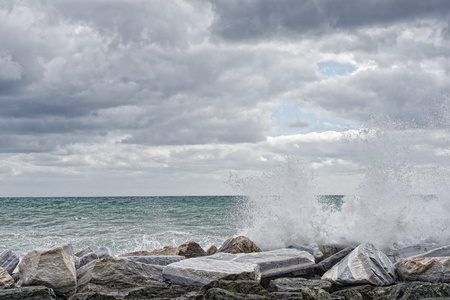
(6, 281)
(117, 277)
(365, 264)
(246, 287)
(240, 244)
(8, 261)
(165, 292)
(436, 252)
(201, 271)
(53, 267)
(274, 263)
(431, 269)
(31, 292)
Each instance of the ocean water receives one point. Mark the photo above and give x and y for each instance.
(125, 224)
(122, 224)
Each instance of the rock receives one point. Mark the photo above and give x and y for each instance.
(443, 251)
(8, 261)
(91, 296)
(349, 294)
(238, 286)
(276, 263)
(85, 259)
(431, 269)
(288, 295)
(419, 290)
(314, 293)
(6, 281)
(240, 244)
(165, 292)
(212, 250)
(160, 260)
(84, 252)
(32, 292)
(218, 293)
(313, 249)
(329, 250)
(411, 251)
(53, 267)
(329, 262)
(117, 277)
(296, 284)
(365, 264)
(191, 249)
(201, 271)
(104, 252)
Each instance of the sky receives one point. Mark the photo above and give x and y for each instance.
(106, 98)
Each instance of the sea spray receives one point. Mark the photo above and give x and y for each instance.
(402, 200)
(281, 206)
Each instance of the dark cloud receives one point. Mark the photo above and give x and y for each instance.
(255, 20)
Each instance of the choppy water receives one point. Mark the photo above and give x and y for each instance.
(119, 223)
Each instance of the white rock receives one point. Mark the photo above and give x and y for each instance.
(201, 271)
(52, 267)
(365, 264)
(273, 263)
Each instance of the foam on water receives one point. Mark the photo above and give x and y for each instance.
(402, 200)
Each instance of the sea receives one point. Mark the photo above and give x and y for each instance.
(122, 224)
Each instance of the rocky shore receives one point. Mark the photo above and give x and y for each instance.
(237, 270)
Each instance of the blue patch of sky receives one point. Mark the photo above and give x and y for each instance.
(291, 119)
(330, 68)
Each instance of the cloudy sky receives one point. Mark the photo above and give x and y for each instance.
(165, 97)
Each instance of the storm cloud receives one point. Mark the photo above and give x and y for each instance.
(178, 93)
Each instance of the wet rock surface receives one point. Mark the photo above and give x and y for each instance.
(363, 273)
(8, 261)
(430, 269)
(240, 244)
(365, 264)
(53, 267)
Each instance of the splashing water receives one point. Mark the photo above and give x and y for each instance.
(404, 198)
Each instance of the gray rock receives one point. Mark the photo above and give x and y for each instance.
(329, 262)
(364, 265)
(84, 252)
(296, 284)
(238, 286)
(8, 261)
(443, 251)
(104, 252)
(91, 296)
(6, 281)
(430, 269)
(87, 258)
(201, 271)
(313, 249)
(53, 267)
(32, 292)
(161, 260)
(419, 290)
(411, 251)
(117, 277)
(164, 292)
(277, 263)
